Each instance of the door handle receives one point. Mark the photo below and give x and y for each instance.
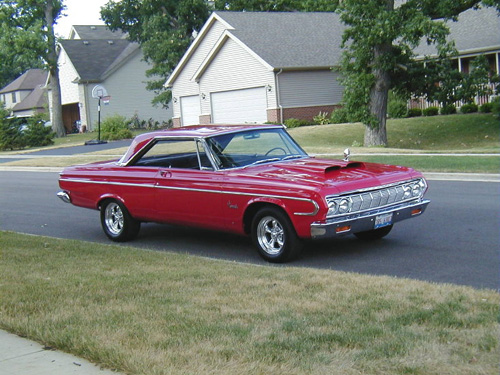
(165, 174)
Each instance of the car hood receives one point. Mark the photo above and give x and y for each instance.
(336, 175)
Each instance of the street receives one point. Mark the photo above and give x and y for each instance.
(455, 241)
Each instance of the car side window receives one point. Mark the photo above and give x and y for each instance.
(183, 154)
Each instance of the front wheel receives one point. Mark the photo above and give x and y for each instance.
(117, 223)
(274, 236)
(374, 234)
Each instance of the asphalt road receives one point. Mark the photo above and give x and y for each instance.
(457, 240)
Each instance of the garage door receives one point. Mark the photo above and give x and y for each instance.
(239, 106)
(190, 110)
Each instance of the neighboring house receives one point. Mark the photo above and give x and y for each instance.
(252, 67)
(92, 56)
(477, 32)
(269, 66)
(26, 95)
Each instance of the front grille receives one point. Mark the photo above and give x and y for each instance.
(376, 198)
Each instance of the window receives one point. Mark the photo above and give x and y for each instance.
(14, 97)
(184, 154)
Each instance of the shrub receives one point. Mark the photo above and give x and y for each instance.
(495, 106)
(486, 108)
(431, 111)
(11, 136)
(396, 107)
(469, 108)
(37, 134)
(321, 118)
(295, 123)
(114, 128)
(448, 109)
(339, 116)
(414, 112)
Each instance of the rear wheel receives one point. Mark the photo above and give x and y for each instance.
(117, 223)
(374, 234)
(274, 236)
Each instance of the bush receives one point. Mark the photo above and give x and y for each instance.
(396, 108)
(448, 109)
(431, 111)
(295, 123)
(339, 116)
(11, 136)
(114, 128)
(469, 108)
(495, 106)
(486, 108)
(414, 112)
(37, 134)
(321, 118)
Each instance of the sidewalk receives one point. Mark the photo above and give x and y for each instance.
(20, 356)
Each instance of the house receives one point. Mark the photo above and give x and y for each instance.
(95, 55)
(26, 95)
(268, 67)
(476, 32)
(258, 67)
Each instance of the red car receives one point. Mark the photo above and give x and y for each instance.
(251, 180)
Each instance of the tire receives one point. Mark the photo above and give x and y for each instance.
(274, 236)
(375, 234)
(117, 223)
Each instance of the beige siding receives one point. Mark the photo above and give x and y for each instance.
(67, 74)
(309, 88)
(184, 85)
(235, 68)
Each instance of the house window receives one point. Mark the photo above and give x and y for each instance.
(13, 97)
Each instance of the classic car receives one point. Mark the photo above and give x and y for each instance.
(249, 179)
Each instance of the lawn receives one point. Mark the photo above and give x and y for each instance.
(455, 134)
(145, 312)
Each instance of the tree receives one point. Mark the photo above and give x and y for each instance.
(163, 28)
(378, 43)
(29, 25)
(276, 5)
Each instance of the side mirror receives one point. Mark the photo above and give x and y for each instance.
(347, 154)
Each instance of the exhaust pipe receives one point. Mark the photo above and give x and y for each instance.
(64, 196)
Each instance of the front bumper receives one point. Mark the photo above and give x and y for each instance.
(365, 221)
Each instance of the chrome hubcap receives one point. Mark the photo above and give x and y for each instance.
(113, 217)
(270, 235)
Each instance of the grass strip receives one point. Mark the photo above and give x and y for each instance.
(145, 312)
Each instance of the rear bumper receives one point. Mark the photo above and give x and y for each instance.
(365, 221)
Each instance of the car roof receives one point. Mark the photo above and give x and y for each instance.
(194, 131)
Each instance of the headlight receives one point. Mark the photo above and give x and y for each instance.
(345, 205)
(407, 191)
(333, 208)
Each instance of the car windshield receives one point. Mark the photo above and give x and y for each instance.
(257, 146)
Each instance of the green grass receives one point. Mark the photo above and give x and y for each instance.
(474, 133)
(144, 312)
(458, 133)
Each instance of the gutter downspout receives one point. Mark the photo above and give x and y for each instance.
(277, 85)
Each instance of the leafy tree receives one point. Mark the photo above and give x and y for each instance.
(163, 28)
(475, 83)
(28, 24)
(277, 5)
(378, 43)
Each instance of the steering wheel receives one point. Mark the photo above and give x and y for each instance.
(276, 149)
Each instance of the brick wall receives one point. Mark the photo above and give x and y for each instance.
(307, 113)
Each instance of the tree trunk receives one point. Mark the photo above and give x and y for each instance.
(57, 119)
(376, 133)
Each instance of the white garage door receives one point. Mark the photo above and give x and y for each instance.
(190, 110)
(239, 106)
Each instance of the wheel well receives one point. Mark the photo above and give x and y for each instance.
(252, 210)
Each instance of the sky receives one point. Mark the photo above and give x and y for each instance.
(79, 12)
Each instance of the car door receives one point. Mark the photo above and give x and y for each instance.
(187, 186)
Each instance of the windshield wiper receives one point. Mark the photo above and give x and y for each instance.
(263, 161)
(289, 157)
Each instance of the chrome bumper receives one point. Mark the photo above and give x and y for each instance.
(365, 221)
(64, 196)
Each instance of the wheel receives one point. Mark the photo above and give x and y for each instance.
(374, 234)
(274, 236)
(281, 149)
(117, 223)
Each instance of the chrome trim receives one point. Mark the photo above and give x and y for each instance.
(374, 188)
(64, 196)
(313, 202)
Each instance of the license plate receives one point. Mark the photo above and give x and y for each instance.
(383, 220)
